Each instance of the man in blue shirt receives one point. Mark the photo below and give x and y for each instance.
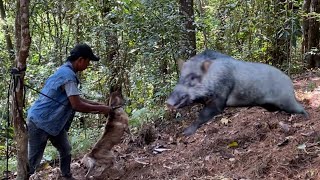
(50, 117)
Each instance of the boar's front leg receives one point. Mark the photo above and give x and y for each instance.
(211, 109)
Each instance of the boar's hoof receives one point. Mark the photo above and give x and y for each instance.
(190, 130)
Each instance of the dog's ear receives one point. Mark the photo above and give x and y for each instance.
(115, 88)
(119, 89)
(112, 89)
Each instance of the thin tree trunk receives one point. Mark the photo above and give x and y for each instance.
(313, 33)
(60, 32)
(306, 7)
(311, 37)
(202, 4)
(6, 31)
(113, 61)
(23, 41)
(187, 12)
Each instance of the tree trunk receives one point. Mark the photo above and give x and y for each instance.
(202, 12)
(112, 45)
(311, 36)
(6, 31)
(23, 41)
(313, 31)
(187, 12)
(280, 49)
(306, 7)
(113, 59)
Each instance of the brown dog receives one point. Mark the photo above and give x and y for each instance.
(101, 154)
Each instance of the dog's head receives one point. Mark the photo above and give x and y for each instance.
(116, 99)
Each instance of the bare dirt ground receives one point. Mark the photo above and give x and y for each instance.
(242, 143)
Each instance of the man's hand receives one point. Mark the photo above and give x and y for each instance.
(106, 109)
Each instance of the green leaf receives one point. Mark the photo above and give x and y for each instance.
(233, 144)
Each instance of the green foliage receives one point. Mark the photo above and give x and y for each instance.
(12, 162)
(50, 153)
(261, 31)
(311, 86)
(143, 115)
(149, 33)
(83, 139)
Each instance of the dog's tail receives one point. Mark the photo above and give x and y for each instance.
(89, 162)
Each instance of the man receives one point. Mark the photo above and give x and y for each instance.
(49, 118)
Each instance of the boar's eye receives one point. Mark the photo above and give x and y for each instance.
(193, 79)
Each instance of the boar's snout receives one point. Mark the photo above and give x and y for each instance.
(170, 107)
(177, 100)
(170, 103)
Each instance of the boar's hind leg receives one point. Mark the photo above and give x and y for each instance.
(211, 109)
(293, 107)
(290, 106)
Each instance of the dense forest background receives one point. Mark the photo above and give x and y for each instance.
(139, 42)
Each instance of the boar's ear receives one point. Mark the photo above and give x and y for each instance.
(180, 64)
(205, 66)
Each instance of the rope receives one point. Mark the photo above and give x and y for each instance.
(7, 130)
(28, 86)
(15, 73)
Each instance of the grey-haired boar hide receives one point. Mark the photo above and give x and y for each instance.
(218, 80)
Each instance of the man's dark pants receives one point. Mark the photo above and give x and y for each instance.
(37, 143)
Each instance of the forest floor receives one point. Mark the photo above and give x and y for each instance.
(242, 143)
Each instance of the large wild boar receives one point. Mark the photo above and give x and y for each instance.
(218, 80)
(101, 154)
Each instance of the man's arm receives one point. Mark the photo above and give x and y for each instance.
(79, 105)
(90, 102)
(83, 105)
